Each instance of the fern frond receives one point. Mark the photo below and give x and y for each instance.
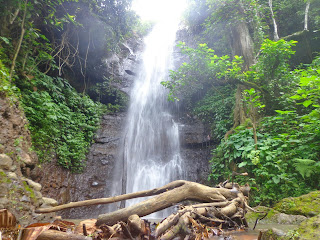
(306, 167)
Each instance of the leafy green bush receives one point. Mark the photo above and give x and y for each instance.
(215, 109)
(62, 122)
(285, 161)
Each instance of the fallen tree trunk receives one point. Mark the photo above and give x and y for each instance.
(57, 235)
(186, 191)
(226, 199)
(119, 198)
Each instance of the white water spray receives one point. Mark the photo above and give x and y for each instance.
(151, 149)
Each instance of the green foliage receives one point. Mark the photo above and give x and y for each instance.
(62, 122)
(142, 28)
(58, 40)
(252, 98)
(306, 167)
(286, 160)
(105, 93)
(5, 84)
(215, 109)
(273, 60)
(203, 70)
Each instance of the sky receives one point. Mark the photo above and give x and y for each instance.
(155, 10)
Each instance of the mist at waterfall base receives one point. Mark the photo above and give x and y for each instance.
(150, 154)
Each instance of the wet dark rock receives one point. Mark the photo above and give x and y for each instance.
(195, 148)
(95, 181)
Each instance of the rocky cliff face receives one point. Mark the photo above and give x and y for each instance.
(94, 182)
(195, 148)
(19, 194)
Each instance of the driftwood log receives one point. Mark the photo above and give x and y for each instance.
(227, 199)
(58, 235)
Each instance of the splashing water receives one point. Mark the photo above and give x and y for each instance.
(151, 149)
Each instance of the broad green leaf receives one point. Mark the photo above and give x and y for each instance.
(6, 40)
(276, 179)
(307, 103)
(242, 164)
(296, 97)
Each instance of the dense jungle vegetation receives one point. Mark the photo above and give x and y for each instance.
(50, 58)
(252, 72)
(253, 75)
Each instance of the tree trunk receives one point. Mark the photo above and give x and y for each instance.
(20, 41)
(167, 196)
(58, 235)
(187, 191)
(306, 13)
(242, 44)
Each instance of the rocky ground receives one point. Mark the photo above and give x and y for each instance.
(19, 194)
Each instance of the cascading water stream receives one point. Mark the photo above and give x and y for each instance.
(151, 149)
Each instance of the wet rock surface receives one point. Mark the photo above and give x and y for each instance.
(95, 181)
(195, 148)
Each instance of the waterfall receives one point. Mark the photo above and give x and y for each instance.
(151, 151)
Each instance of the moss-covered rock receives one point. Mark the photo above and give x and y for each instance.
(308, 230)
(274, 217)
(307, 205)
(273, 234)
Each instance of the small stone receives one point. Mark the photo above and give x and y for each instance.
(38, 195)
(104, 162)
(4, 202)
(26, 158)
(50, 201)
(13, 168)
(312, 214)
(34, 185)
(94, 184)
(25, 199)
(5, 162)
(12, 175)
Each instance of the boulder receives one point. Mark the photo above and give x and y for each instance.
(32, 184)
(5, 162)
(272, 234)
(12, 175)
(309, 229)
(26, 159)
(274, 217)
(307, 205)
(50, 201)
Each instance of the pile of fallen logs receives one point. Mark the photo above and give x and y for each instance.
(221, 208)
